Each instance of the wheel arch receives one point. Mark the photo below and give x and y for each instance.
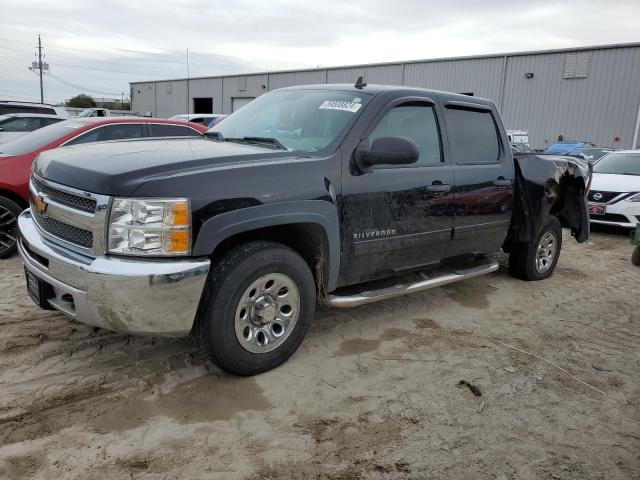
(14, 197)
(310, 227)
(548, 188)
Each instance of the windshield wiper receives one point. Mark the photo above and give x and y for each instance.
(270, 140)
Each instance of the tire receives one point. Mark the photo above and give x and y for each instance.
(635, 256)
(9, 212)
(538, 260)
(240, 309)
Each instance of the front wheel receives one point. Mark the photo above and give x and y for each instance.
(257, 308)
(9, 212)
(538, 260)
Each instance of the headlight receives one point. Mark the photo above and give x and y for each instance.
(150, 227)
(634, 198)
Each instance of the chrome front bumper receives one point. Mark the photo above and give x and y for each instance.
(134, 296)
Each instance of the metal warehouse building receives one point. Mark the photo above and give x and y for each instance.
(590, 93)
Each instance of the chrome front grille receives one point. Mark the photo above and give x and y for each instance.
(69, 233)
(68, 216)
(70, 200)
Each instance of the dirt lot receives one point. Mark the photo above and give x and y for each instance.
(371, 394)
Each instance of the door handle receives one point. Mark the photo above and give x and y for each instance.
(501, 182)
(438, 187)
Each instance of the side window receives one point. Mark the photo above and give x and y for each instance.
(474, 136)
(19, 124)
(17, 109)
(44, 122)
(110, 132)
(168, 130)
(416, 121)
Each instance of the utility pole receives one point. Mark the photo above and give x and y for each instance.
(40, 66)
(188, 102)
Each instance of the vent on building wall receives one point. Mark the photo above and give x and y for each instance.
(576, 65)
(169, 87)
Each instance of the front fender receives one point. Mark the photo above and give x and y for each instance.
(325, 214)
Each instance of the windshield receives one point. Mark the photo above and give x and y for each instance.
(301, 120)
(619, 163)
(590, 153)
(39, 138)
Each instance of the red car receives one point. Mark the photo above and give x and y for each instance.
(16, 156)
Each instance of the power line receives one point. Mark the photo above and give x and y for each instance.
(80, 87)
(24, 97)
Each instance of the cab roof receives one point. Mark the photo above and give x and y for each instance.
(375, 89)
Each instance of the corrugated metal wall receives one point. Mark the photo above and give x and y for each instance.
(482, 77)
(290, 79)
(598, 108)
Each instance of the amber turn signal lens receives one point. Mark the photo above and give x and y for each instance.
(179, 241)
(180, 214)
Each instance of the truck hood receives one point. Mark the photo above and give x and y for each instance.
(609, 182)
(120, 167)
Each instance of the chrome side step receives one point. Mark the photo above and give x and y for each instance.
(371, 296)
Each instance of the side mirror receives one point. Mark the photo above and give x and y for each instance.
(388, 151)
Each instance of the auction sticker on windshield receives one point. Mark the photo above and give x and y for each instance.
(340, 105)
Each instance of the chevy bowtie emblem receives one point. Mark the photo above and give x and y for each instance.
(40, 204)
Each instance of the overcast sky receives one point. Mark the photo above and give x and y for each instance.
(102, 45)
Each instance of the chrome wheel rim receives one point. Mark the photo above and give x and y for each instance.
(8, 229)
(546, 252)
(267, 313)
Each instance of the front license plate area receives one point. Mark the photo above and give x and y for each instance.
(595, 209)
(39, 291)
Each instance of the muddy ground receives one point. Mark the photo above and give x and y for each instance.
(371, 393)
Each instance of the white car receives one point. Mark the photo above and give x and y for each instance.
(15, 125)
(614, 197)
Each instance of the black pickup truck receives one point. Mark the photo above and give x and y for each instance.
(307, 195)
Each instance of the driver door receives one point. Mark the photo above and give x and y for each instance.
(397, 217)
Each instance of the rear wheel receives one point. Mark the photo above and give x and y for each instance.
(538, 260)
(635, 256)
(257, 308)
(9, 212)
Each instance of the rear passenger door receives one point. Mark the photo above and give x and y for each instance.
(168, 130)
(484, 177)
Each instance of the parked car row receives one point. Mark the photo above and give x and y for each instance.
(614, 198)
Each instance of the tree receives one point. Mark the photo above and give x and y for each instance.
(116, 105)
(81, 101)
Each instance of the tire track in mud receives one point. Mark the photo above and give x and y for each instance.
(41, 410)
